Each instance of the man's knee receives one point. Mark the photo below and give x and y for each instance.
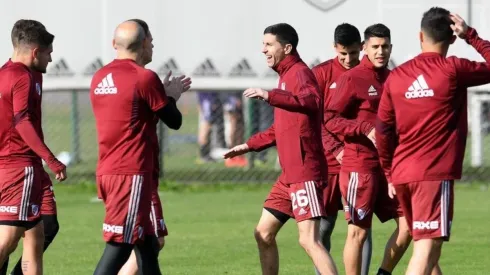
(264, 237)
(357, 234)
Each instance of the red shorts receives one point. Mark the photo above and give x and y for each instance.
(365, 194)
(48, 203)
(428, 207)
(20, 193)
(332, 198)
(156, 215)
(301, 201)
(127, 201)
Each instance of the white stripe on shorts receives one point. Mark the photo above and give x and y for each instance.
(133, 207)
(445, 196)
(26, 193)
(352, 194)
(313, 199)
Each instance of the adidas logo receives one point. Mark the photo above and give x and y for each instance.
(419, 89)
(333, 86)
(242, 68)
(60, 69)
(106, 86)
(206, 69)
(315, 62)
(302, 211)
(93, 67)
(170, 65)
(372, 91)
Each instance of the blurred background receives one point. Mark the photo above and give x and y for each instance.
(217, 43)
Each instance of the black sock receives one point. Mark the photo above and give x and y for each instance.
(114, 257)
(383, 272)
(3, 270)
(51, 228)
(147, 256)
(204, 150)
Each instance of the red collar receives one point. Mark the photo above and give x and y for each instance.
(287, 63)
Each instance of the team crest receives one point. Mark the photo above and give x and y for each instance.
(38, 88)
(325, 5)
(140, 232)
(35, 209)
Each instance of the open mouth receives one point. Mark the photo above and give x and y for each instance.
(269, 57)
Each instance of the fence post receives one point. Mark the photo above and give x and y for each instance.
(250, 122)
(75, 127)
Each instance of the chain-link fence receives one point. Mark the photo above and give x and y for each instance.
(213, 122)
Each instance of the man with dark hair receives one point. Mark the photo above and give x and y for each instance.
(347, 45)
(351, 113)
(125, 99)
(421, 131)
(22, 177)
(297, 134)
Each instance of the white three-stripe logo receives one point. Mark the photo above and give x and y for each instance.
(106, 86)
(419, 89)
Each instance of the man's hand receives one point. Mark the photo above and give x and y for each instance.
(61, 176)
(372, 136)
(256, 93)
(459, 27)
(391, 191)
(339, 156)
(176, 86)
(237, 151)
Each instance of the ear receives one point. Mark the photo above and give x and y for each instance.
(35, 52)
(288, 48)
(334, 45)
(114, 44)
(421, 37)
(364, 46)
(453, 39)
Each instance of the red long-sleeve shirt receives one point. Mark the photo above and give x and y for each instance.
(327, 74)
(297, 123)
(422, 118)
(21, 135)
(352, 113)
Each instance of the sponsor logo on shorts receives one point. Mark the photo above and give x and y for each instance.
(162, 224)
(302, 211)
(8, 209)
(425, 225)
(109, 228)
(35, 209)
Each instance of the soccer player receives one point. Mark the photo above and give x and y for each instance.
(347, 45)
(297, 134)
(422, 128)
(351, 113)
(22, 176)
(48, 202)
(125, 97)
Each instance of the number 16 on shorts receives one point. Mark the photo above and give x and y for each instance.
(306, 200)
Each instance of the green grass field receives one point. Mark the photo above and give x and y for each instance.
(211, 232)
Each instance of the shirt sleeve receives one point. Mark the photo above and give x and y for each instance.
(386, 139)
(343, 98)
(471, 73)
(24, 126)
(307, 99)
(262, 140)
(152, 90)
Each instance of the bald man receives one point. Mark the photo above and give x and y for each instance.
(125, 99)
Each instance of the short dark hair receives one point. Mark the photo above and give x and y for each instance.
(142, 24)
(285, 34)
(31, 32)
(436, 23)
(377, 30)
(347, 35)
